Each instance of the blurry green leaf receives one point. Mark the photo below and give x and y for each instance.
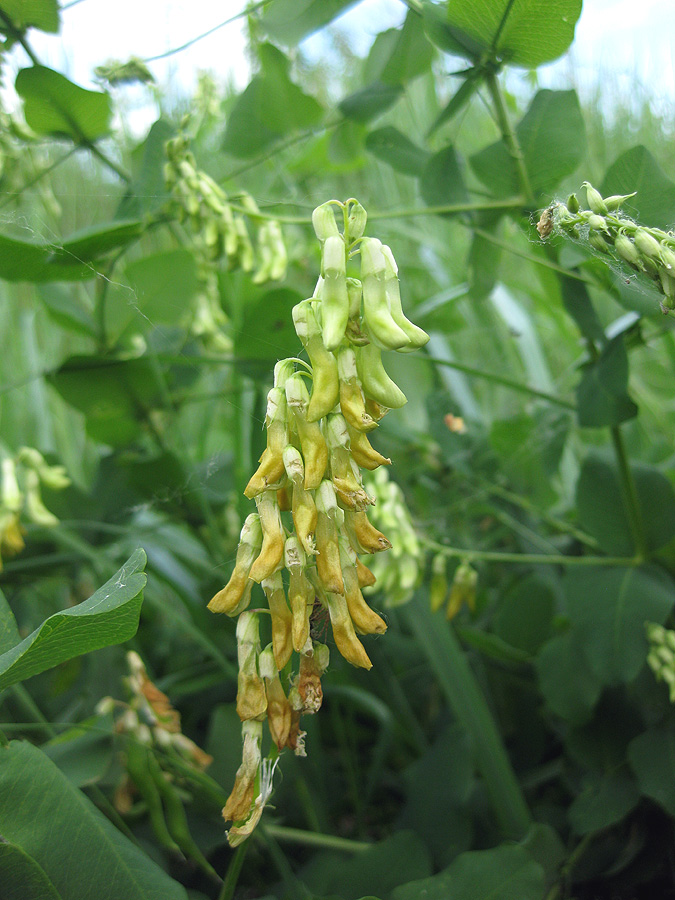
(21, 878)
(289, 21)
(412, 54)
(42, 14)
(446, 36)
(382, 867)
(579, 305)
(442, 181)
(114, 394)
(637, 170)
(437, 794)
(91, 858)
(552, 138)
(346, 144)
(521, 32)
(601, 508)
(566, 680)
(53, 105)
(270, 107)
(110, 616)
(394, 148)
(164, 284)
(492, 646)
(652, 757)
(608, 608)
(603, 802)
(83, 755)
(70, 261)
(370, 101)
(545, 847)
(267, 333)
(602, 398)
(9, 630)
(148, 191)
(458, 101)
(506, 872)
(67, 309)
(484, 260)
(525, 614)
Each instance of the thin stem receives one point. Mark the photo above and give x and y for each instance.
(37, 177)
(500, 379)
(630, 494)
(508, 133)
(233, 871)
(537, 260)
(312, 839)
(466, 700)
(194, 40)
(547, 559)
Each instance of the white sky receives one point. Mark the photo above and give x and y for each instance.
(626, 46)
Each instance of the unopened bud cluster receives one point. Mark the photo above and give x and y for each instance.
(221, 235)
(661, 655)
(649, 251)
(461, 592)
(21, 477)
(399, 573)
(153, 740)
(303, 544)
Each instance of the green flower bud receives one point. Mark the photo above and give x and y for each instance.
(646, 243)
(323, 220)
(597, 223)
(10, 494)
(627, 250)
(573, 204)
(617, 200)
(594, 199)
(334, 294)
(356, 221)
(597, 242)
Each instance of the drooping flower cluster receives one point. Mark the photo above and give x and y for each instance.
(399, 573)
(220, 236)
(649, 251)
(303, 544)
(20, 497)
(153, 741)
(661, 656)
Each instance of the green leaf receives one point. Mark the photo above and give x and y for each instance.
(108, 617)
(289, 21)
(602, 393)
(71, 261)
(269, 108)
(521, 32)
(42, 14)
(412, 54)
(267, 332)
(442, 181)
(399, 858)
(569, 686)
(492, 646)
(370, 101)
(447, 37)
(112, 393)
(148, 190)
(67, 310)
(601, 508)
(484, 258)
(9, 630)
(652, 757)
(91, 858)
(163, 284)
(552, 138)
(53, 105)
(458, 100)
(603, 802)
(506, 872)
(579, 305)
(525, 615)
(637, 170)
(398, 151)
(608, 608)
(21, 877)
(545, 847)
(83, 753)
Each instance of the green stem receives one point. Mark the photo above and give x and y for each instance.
(549, 559)
(463, 695)
(508, 134)
(311, 839)
(38, 176)
(630, 495)
(233, 871)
